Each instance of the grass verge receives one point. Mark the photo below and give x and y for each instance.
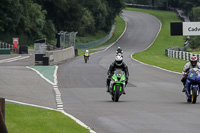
(27, 119)
(155, 55)
(90, 37)
(119, 29)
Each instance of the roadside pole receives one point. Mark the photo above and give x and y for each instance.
(3, 128)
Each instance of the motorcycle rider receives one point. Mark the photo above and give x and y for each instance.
(86, 54)
(119, 50)
(117, 64)
(192, 64)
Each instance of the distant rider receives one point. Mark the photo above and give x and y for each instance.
(192, 64)
(119, 50)
(86, 54)
(117, 64)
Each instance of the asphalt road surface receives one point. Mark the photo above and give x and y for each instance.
(154, 102)
(21, 84)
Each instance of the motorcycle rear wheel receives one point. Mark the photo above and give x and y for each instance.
(85, 59)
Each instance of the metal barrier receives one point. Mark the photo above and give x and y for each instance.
(95, 43)
(181, 54)
(5, 45)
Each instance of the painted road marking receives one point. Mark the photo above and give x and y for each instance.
(14, 59)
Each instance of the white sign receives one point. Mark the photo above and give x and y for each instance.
(40, 48)
(191, 28)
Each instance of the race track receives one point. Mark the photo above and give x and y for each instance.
(154, 102)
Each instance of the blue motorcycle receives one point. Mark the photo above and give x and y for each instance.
(192, 85)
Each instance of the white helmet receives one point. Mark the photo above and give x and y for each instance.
(87, 51)
(193, 61)
(118, 60)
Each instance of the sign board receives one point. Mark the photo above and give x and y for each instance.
(40, 48)
(15, 43)
(185, 28)
(191, 28)
(176, 28)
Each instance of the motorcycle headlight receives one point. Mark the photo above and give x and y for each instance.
(114, 79)
(122, 80)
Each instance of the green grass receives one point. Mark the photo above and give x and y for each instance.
(90, 37)
(119, 29)
(31, 47)
(81, 52)
(27, 119)
(155, 55)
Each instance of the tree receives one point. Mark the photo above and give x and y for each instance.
(195, 16)
(99, 11)
(10, 15)
(87, 23)
(65, 14)
(114, 8)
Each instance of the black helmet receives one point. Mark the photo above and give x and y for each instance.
(118, 60)
(193, 61)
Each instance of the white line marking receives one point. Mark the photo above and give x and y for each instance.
(59, 110)
(41, 75)
(79, 122)
(55, 76)
(150, 46)
(115, 41)
(33, 105)
(59, 102)
(14, 59)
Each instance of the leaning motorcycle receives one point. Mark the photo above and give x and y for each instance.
(117, 84)
(192, 85)
(86, 56)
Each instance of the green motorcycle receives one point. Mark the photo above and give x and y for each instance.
(117, 84)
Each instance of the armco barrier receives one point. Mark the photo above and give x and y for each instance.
(96, 43)
(56, 57)
(181, 54)
(4, 51)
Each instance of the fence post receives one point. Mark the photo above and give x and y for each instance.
(3, 128)
(180, 55)
(168, 52)
(176, 55)
(173, 53)
(198, 57)
(187, 56)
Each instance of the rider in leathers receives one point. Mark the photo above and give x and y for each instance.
(86, 53)
(119, 50)
(117, 64)
(192, 64)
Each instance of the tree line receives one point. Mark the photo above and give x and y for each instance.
(44, 18)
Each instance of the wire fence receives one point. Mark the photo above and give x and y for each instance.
(67, 39)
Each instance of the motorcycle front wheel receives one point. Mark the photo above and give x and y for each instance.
(194, 94)
(116, 94)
